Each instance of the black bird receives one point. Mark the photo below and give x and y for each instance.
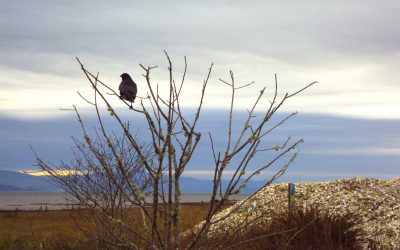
(127, 88)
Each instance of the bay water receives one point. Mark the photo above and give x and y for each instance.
(60, 200)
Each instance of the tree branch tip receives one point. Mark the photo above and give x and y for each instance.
(79, 62)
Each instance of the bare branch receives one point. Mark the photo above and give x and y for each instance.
(306, 87)
(91, 103)
(259, 237)
(246, 85)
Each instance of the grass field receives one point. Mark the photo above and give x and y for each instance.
(311, 229)
(39, 229)
(55, 229)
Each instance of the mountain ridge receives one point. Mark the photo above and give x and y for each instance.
(16, 181)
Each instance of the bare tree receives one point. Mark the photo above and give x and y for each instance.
(159, 164)
(105, 179)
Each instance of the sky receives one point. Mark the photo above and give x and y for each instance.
(349, 120)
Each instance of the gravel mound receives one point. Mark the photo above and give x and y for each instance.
(375, 202)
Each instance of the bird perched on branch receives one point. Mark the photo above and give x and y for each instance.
(127, 88)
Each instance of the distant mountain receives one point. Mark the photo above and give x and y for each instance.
(15, 181)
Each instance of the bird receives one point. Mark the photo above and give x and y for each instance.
(127, 88)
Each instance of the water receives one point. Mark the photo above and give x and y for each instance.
(32, 200)
(57, 200)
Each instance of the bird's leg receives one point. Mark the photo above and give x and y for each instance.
(131, 107)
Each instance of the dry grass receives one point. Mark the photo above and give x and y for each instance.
(311, 229)
(39, 229)
(57, 230)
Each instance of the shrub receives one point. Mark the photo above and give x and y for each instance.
(301, 229)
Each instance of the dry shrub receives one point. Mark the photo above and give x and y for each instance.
(308, 229)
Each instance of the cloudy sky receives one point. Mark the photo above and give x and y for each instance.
(351, 49)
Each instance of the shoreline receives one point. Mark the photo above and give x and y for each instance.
(64, 208)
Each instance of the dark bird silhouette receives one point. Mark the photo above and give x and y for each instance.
(127, 88)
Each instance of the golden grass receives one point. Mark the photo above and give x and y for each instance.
(57, 230)
(32, 229)
(310, 229)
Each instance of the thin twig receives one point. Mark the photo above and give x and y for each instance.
(259, 237)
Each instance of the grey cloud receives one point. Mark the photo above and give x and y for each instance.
(344, 44)
(303, 33)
